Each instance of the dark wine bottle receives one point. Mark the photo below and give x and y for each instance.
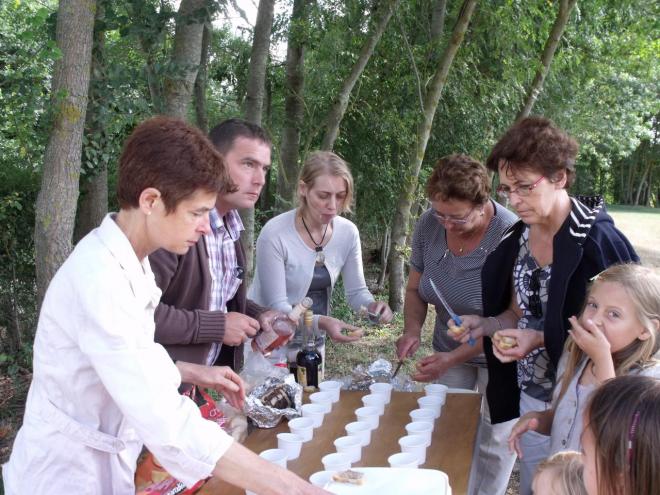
(309, 358)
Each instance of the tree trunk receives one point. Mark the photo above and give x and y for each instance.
(384, 257)
(254, 104)
(200, 81)
(293, 105)
(93, 204)
(338, 109)
(438, 20)
(56, 201)
(254, 99)
(186, 56)
(404, 203)
(557, 31)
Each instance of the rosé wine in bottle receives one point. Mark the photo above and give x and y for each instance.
(284, 326)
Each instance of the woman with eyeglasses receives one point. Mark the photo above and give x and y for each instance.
(450, 244)
(537, 277)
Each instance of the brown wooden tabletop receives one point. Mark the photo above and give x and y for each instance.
(451, 447)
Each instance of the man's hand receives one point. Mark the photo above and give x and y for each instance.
(239, 328)
(219, 378)
(432, 367)
(407, 345)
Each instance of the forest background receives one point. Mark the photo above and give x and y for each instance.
(390, 85)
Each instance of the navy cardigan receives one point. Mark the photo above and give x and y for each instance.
(586, 244)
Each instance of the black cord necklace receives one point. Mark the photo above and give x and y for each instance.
(320, 257)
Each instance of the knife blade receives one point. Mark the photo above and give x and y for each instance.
(452, 315)
(396, 370)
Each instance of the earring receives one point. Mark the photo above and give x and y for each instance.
(149, 212)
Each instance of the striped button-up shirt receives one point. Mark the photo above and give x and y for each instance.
(226, 275)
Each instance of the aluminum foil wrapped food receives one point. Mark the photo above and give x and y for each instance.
(275, 398)
(378, 371)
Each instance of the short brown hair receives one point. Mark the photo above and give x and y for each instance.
(459, 177)
(177, 159)
(320, 163)
(536, 143)
(226, 132)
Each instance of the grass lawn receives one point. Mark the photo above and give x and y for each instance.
(642, 227)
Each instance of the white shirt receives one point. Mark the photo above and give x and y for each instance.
(102, 386)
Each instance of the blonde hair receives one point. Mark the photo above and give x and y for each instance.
(642, 284)
(623, 415)
(566, 469)
(325, 163)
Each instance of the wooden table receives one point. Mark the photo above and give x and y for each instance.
(451, 449)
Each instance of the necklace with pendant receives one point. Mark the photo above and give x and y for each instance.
(320, 256)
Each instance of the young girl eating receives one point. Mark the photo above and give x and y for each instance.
(621, 438)
(615, 335)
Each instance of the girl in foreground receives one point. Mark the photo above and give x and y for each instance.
(621, 438)
(615, 335)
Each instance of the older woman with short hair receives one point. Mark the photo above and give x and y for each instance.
(537, 277)
(450, 244)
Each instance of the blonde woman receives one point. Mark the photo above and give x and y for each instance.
(302, 252)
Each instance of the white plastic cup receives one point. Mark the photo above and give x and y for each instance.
(432, 402)
(414, 444)
(375, 400)
(276, 456)
(422, 428)
(403, 460)
(303, 427)
(351, 446)
(437, 389)
(315, 412)
(426, 415)
(361, 430)
(322, 398)
(321, 478)
(290, 443)
(382, 389)
(369, 415)
(332, 387)
(336, 462)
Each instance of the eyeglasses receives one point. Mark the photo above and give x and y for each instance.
(534, 303)
(523, 191)
(456, 221)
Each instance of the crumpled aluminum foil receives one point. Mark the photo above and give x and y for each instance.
(378, 371)
(268, 417)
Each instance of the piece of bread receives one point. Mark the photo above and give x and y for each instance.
(454, 330)
(504, 342)
(349, 476)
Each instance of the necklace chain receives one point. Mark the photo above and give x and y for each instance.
(319, 245)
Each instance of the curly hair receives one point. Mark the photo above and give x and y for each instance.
(535, 143)
(459, 177)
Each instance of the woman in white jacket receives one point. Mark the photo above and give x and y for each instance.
(101, 386)
(303, 251)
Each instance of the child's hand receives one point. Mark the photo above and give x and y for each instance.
(591, 340)
(532, 421)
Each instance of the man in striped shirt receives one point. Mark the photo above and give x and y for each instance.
(204, 316)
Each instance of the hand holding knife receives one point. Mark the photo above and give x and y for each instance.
(452, 315)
